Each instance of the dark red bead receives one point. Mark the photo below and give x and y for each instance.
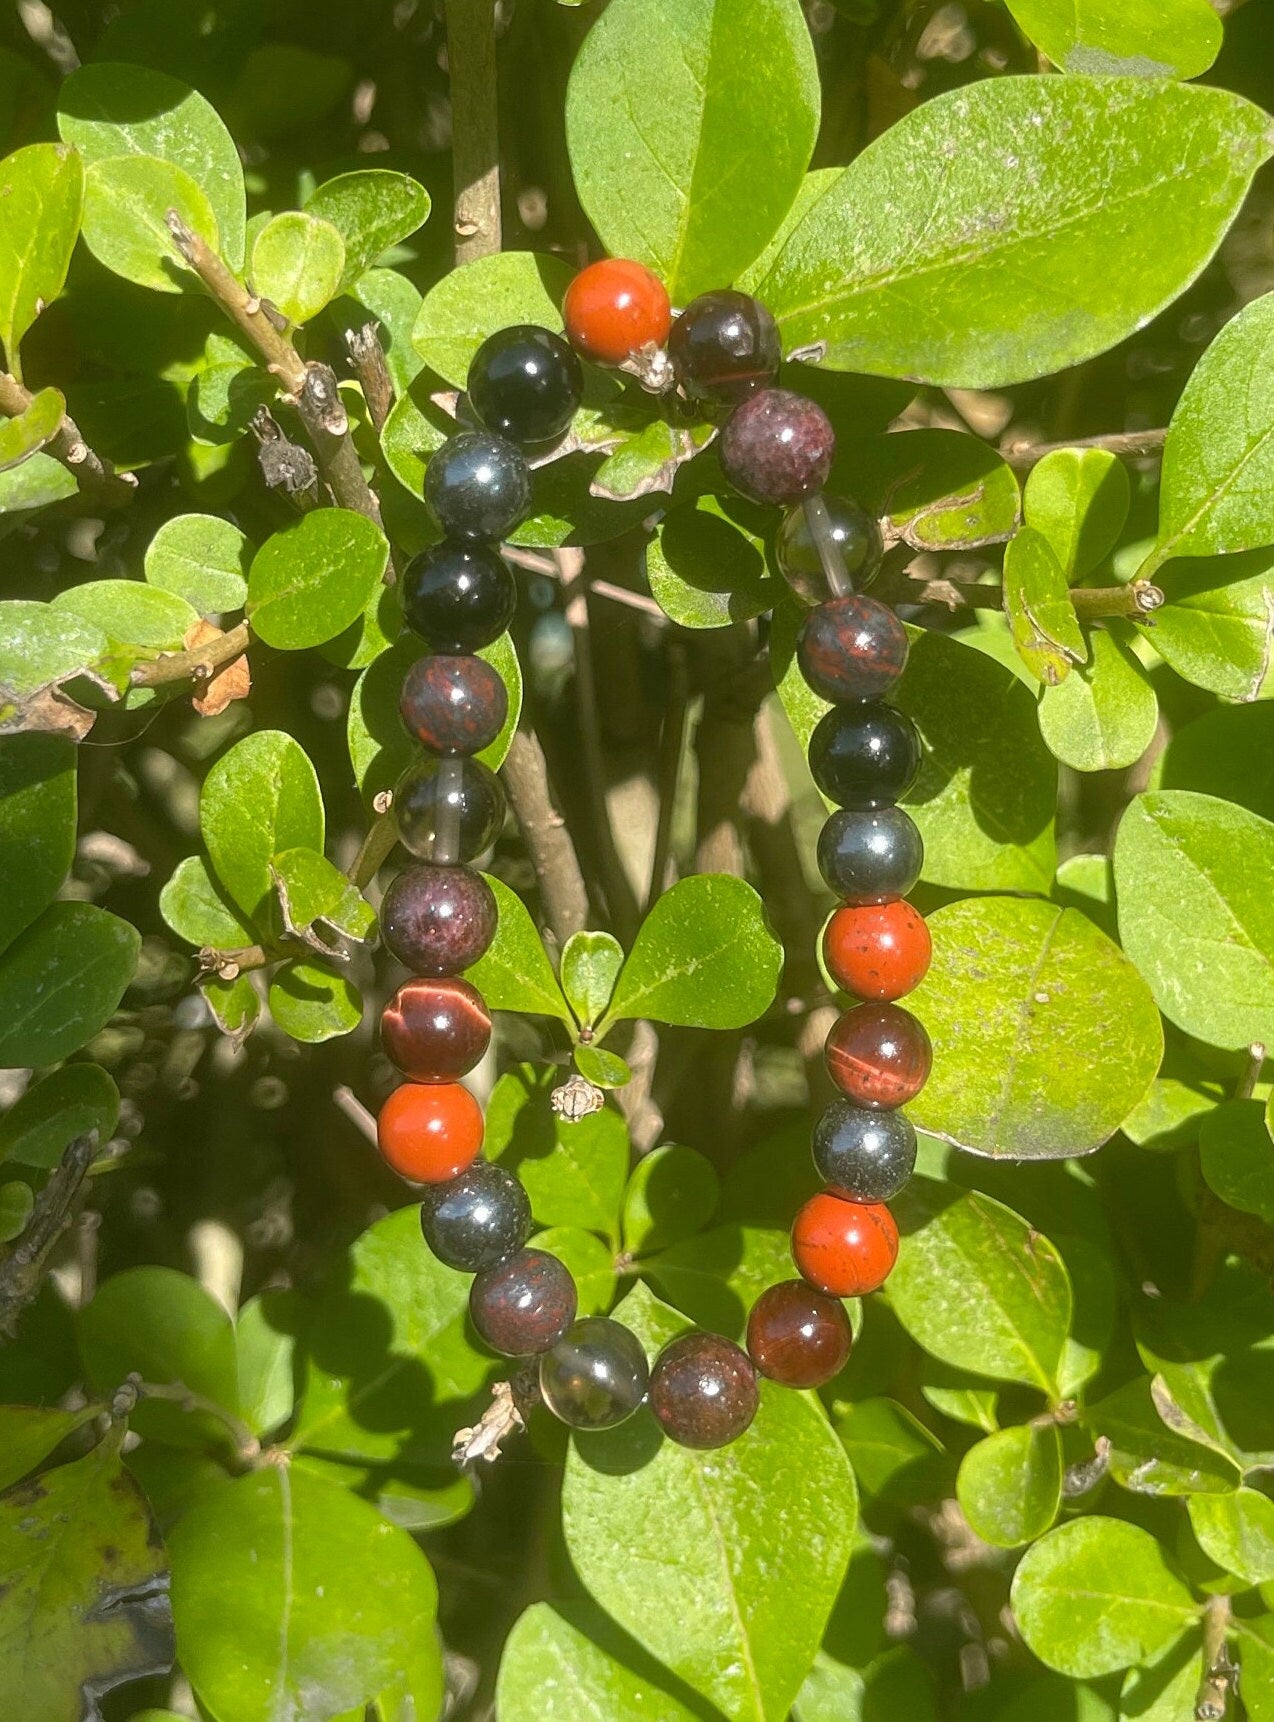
(798, 1336)
(879, 1055)
(454, 703)
(435, 1030)
(438, 920)
(724, 346)
(524, 1305)
(703, 1390)
(877, 950)
(851, 648)
(846, 1249)
(777, 447)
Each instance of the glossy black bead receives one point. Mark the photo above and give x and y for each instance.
(525, 383)
(596, 1374)
(851, 648)
(870, 855)
(703, 1390)
(867, 1156)
(438, 920)
(864, 755)
(459, 597)
(525, 1305)
(453, 702)
(723, 347)
(477, 1220)
(855, 533)
(478, 486)
(448, 810)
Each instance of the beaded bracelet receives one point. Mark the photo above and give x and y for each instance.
(722, 353)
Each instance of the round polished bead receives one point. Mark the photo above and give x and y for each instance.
(855, 533)
(777, 447)
(478, 486)
(877, 950)
(614, 308)
(864, 755)
(869, 855)
(845, 1249)
(442, 805)
(525, 383)
(430, 1132)
(477, 1220)
(460, 597)
(524, 1305)
(724, 347)
(867, 1156)
(596, 1374)
(703, 1390)
(438, 920)
(878, 1055)
(453, 703)
(798, 1336)
(435, 1029)
(851, 648)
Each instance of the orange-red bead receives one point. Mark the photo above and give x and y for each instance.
(879, 1055)
(614, 308)
(844, 1248)
(430, 1131)
(878, 951)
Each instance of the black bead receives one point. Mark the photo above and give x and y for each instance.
(870, 855)
(477, 1220)
(438, 920)
(703, 1390)
(525, 383)
(453, 703)
(864, 755)
(855, 533)
(723, 347)
(448, 810)
(478, 486)
(525, 1305)
(459, 597)
(851, 648)
(867, 1156)
(596, 1374)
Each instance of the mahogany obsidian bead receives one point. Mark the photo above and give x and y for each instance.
(846, 1249)
(596, 1374)
(453, 702)
(436, 800)
(703, 1390)
(477, 1220)
(799, 1336)
(867, 1156)
(877, 950)
(459, 597)
(478, 486)
(435, 1030)
(864, 755)
(878, 1055)
(855, 533)
(870, 855)
(429, 1132)
(723, 347)
(438, 920)
(525, 383)
(851, 648)
(524, 1305)
(777, 447)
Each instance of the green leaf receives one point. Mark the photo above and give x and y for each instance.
(1216, 626)
(1228, 753)
(1256, 1648)
(894, 1684)
(201, 559)
(1012, 1317)
(1007, 200)
(313, 1003)
(36, 482)
(1194, 914)
(1148, 1457)
(393, 302)
(1236, 1154)
(265, 1343)
(70, 1102)
(672, 1194)
(260, 798)
(1096, 1595)
(371, 210)
(1104, 716)
(312, 580)
(732, 1559)
(223, 399)
(37, 826)
(648, 461)
(1237, 1532)
(1142, 38)
(38, 424)
(1010, 1484)
(715, 1277)
(61, 981)
(130, 613)
(573, 1172)
(332, 1603)
(1078, 499)
(28, 1434)
(235, 1005)
(298, 264)
(196, 910)
(311, 889)
(959, 1396)
(602, 1068)
(589, 967)
(125, 201)
(1045, 1036)
(1166, 1688)
(933, 489)
(515, 973)
(42, 189)
(1038, 605)
(109, 110)
(894, 1456)
(556, 1667)
(734, 88)
(472, 302)
(591, 1262)
(706, 563)
(17, 1203)
(41, 647)
(704, 957)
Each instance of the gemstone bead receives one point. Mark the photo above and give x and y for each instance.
(724, 346)
(855, 533)
(845, 1249)
(525, 384)
(477, 1220)
(851, 648)
(460, 597)
(438, 920)
(438, 800)
(797, 1335)
(453, 703)
(777, 447)
(864, 755)
(524, 1305)
(870, 855)
(877, 950)
(614, 308)
(865, 1155)
(430, 1132)
(478, 486)
(703, 1390)
(435, 1030)
(878, 1055)
(596, 1375)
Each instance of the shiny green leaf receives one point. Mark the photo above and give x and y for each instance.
(371, 210)
(1237, 1532)
(298, 264)
(1041, 616)
(515, 973)
(672, 1194)
(554, 1669)
(37, 826)
(126, 200)
(312, 1002)
(479, 298)
(1104, 715)
(1010, 1484)
(588, 969)
(42, 189)
(201, 559)
(1141, 38)
(573, 1172)
(38, 1128)
(1078, 499)
(1148, 1457)
(61, 981)
(260, 798)
(1236, 1154)
(23, 436)
(1218, 622)
(311, 580)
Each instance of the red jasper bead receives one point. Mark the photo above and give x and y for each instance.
(430, 1132)
(878, 951)
(879, 1055)
(798, 1336)
(845, 1249)
(614, 308)
(435, 1030)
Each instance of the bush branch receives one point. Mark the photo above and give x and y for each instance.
(548, 842)
(94, 475)
(368, 359)
(1131, 445)
(22, 1265)
(200, 664)
(1134, 602)
(1220, 1671)
(475, 132)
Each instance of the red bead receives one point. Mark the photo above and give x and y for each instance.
(879, 1055)
(844, 1248)
(430, 1132)
(435, 1030)
(614, 308)
(878, 951)
(798, 1336)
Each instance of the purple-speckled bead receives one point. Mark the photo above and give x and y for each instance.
(525, 1305)
(777, 447)
(454, 702)
(851, 648)
(438, 920)
(703, 1390)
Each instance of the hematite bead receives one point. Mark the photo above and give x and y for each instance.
(438, 920)
(525, 383)
(525, 1305)
(856, 535)
(478, 486)
(703, 1390)
(851, 648)
(777, 447)
(870, 855)
(453, 702)
(596, 1374)
(799, 1336)
(459, 597)
(865, 1155)
(435, 1030)
(864, 755)
(476, 1220)
(472, 795)
(724, 346)
(879, 1055)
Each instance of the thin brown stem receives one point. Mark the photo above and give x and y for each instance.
(200, 664)
(1245, 1088)
(1220, 1671)
(475, 137)
(94, 474)
(672, 743)
(549, 845)
(1130, 445)
(368, 359)
(22, 1263)
(346, 1101)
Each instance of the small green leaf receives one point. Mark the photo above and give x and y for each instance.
(265, 1341)
(1103, 717)
(1140, 38)
(1215, 627)
(38, 424)
(298, 264)
(37, 826)
(706, 563)
(312, 1002)
(1256, 1648)
(224, 398)
(70, 1102)
(1228, 752)
(235, 1005)
(1078, 499)
(573, 1172)
(1041, 615)
(1148, 1457)
(1237, 1532)
(591, 1262)
(672, 1195)
(371, 210)
(260, 798)
(393, 303)
(1010, 1484)
(42, 190)
(589, 967)
(602, 1068)
(126, 199)
(311, 889)
(196, 910)
(130, 613)
(933, 489)
(715, 1277)
(61, 981)
(17, 1202)
(1166, 1688)
(892, 1452)
(959, 1396)
(312, 580)
(554, 1669)
(515, 973)
(36, 482)
(29, 1433)
(1237, 1156)
(41, 647)
(648, 461)
(479, 298)
(201, 559)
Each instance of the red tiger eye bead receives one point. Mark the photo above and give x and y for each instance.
(798, 1336)
(430, 1132)
(435, 1030)
(879, 1055)
(878, 951)
(844, 1248)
